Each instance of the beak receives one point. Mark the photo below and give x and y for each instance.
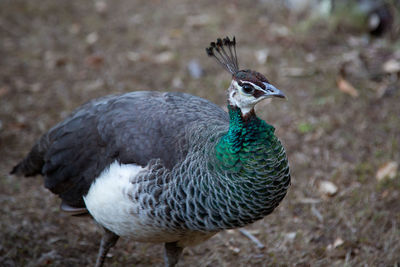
(272, 91)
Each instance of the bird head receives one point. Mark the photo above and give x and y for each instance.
(247, 87)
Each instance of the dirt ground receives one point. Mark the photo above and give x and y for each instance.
(55, 55)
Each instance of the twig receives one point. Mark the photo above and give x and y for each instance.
(317, 214)
(252, 238)
(309, 200)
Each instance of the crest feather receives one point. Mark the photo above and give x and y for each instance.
(225, 57)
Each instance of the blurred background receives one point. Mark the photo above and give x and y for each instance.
(337, 61)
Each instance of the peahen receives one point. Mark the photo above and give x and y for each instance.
(167, 167)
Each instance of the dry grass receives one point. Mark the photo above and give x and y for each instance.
(51, 62)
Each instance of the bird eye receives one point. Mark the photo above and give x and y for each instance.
(248, 89)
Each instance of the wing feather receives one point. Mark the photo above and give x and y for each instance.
(131, 128)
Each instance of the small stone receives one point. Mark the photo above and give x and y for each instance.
(91, 38)
(109, 255)
(296, 72)
(35, 87)
(280, 30)
(74, 28)
(136, 19)
(262, 55)
(194, 68)
(391, 66)
(197, 21)
(290, 236)
(337, 243)
(177, 82)
(101, 7)
(164, 57)
(133, 56)
(327, 188)
(235, 250)
(310, 57)
(94, 85)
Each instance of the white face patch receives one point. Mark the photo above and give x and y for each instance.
(237, 97)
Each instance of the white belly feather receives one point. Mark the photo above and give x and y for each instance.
(110, 204)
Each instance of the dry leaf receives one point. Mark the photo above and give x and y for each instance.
(94, 61)
(385, 193)
(346, 87)
(16, 126)
(61, 61)
(4, 91)
(387, 171)
(327, 188)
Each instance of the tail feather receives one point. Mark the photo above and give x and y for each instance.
(32, 164)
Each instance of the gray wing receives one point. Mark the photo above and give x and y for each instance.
(131, 128)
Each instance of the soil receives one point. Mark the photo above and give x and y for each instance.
(56, 55)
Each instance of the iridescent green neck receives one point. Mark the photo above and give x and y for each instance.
(245, 135)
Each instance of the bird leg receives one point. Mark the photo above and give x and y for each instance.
(108, 240)
(172, 253)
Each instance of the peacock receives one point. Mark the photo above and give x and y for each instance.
(167, 167)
